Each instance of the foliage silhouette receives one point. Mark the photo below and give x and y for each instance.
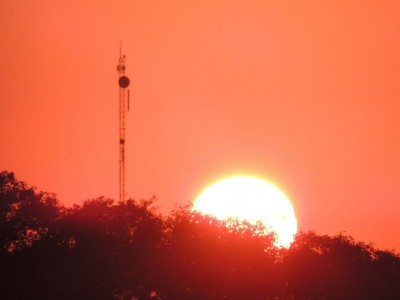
(127, 250)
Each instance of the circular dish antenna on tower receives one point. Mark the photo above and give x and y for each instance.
(123, 82)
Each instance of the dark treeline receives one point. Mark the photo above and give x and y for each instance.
(107, 250)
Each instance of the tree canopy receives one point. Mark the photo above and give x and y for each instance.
(127, 250)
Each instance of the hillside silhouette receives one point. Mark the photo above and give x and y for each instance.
(127, 250)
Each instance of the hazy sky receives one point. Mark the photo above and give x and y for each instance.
(305, 94)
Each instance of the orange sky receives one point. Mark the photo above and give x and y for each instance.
(306, 96)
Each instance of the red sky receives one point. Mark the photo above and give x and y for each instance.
(305, 95)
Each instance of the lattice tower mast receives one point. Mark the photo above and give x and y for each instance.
(123, 83)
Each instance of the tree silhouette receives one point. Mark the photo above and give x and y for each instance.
(213, 260)
(25, 214)
(97, 250)
(28, 222)
(127, 250)
(323, 267)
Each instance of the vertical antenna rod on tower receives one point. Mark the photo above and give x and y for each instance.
(123, 83)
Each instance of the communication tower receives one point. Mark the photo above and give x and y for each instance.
(123, 82)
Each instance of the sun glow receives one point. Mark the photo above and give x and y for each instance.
(253, 200)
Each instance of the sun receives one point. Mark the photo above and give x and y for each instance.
(253, 200)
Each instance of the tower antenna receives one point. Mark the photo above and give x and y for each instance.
(123, 83)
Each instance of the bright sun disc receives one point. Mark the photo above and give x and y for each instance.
(253, 200)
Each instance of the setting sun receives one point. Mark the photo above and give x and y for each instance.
(253, 200)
